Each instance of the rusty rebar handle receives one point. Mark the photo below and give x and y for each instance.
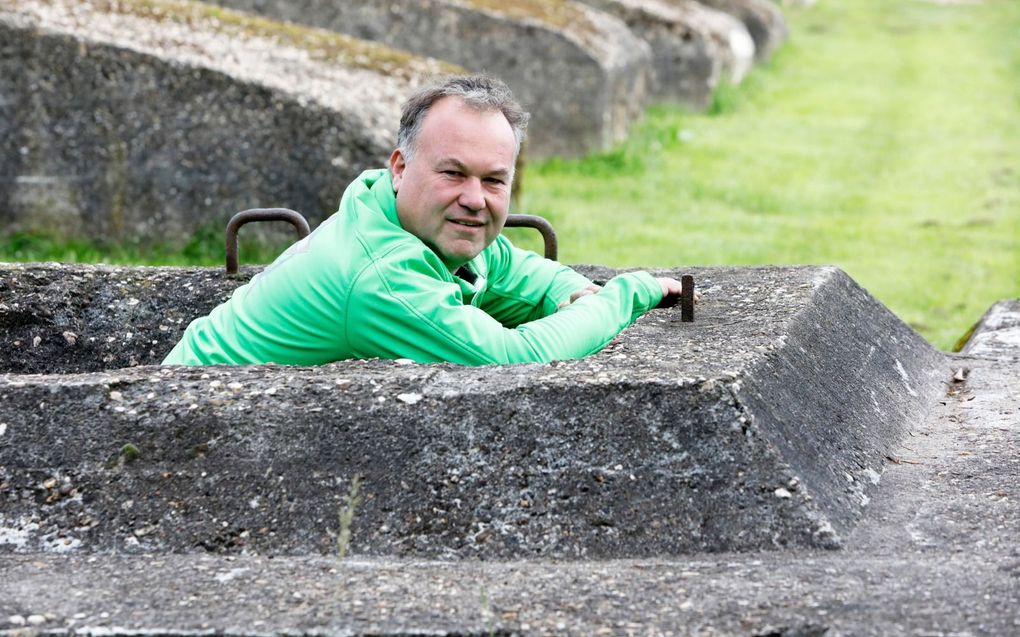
(540, 224)
(260, 214)
(687, 299)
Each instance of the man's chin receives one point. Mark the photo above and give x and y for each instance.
(460, 255)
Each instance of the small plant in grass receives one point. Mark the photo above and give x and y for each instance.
(725, 99)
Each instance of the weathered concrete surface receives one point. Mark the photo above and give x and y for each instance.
(762, 18)
(146, 119)
(935, 554)
(763, 424)
(693, 47)
(580, 73)
(62, 319)
(997, 333)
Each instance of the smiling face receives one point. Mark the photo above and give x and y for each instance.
(454, 193)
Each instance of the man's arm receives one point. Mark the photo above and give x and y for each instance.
(524, 287)
(402, 308)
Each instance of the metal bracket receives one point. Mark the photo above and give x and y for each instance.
(260, 214)
(540, 224)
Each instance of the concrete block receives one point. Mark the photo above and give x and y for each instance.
(997, 334)
(693, 47)
(763, 424)
(145, 120)
(581, 73)
(763, 19)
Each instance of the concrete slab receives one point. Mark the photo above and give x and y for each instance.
(581, 74)
(935, 554)
(764, 424)
(693, 47)
(144, 120)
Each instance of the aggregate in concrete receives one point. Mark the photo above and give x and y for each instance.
(147, 120)
(765, 423)
(582, 75)
(936, 554)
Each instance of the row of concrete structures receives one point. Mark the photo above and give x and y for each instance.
(145, 119)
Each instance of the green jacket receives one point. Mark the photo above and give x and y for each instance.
(362, 287)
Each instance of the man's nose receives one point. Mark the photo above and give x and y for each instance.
(472, 196)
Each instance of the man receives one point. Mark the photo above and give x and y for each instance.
(413, 265)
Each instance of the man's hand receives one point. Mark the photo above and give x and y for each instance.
(591, 289)
(671, 289)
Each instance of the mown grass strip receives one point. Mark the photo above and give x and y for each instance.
(883, 138)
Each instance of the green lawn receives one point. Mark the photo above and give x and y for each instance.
(884, 138)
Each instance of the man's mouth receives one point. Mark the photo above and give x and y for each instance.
(470, 223)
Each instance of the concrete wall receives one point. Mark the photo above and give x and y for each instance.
(581, 73)
(146, 120)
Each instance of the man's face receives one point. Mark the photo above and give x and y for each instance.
(455, 191)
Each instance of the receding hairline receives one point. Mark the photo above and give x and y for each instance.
(481, 93)
(481, 109)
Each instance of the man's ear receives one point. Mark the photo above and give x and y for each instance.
(397, 166)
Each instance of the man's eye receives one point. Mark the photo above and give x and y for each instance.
(495, 181)
(451, 173)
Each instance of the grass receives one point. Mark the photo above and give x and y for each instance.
(205, 248)
(884, 138)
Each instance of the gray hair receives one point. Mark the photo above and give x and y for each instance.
(481, 92)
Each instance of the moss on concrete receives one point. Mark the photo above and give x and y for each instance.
(560, 14)
(321, 45)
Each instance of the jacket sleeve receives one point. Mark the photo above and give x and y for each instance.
(402, 306)
(523, 286)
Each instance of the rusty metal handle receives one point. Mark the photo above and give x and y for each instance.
(540, 224)
(260, 214)
(687, 299)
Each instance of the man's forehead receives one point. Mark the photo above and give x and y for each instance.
(459, 134)
(496, 165)
(452, 115)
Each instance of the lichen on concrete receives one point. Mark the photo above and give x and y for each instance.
(562, 14)
(322, 45)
